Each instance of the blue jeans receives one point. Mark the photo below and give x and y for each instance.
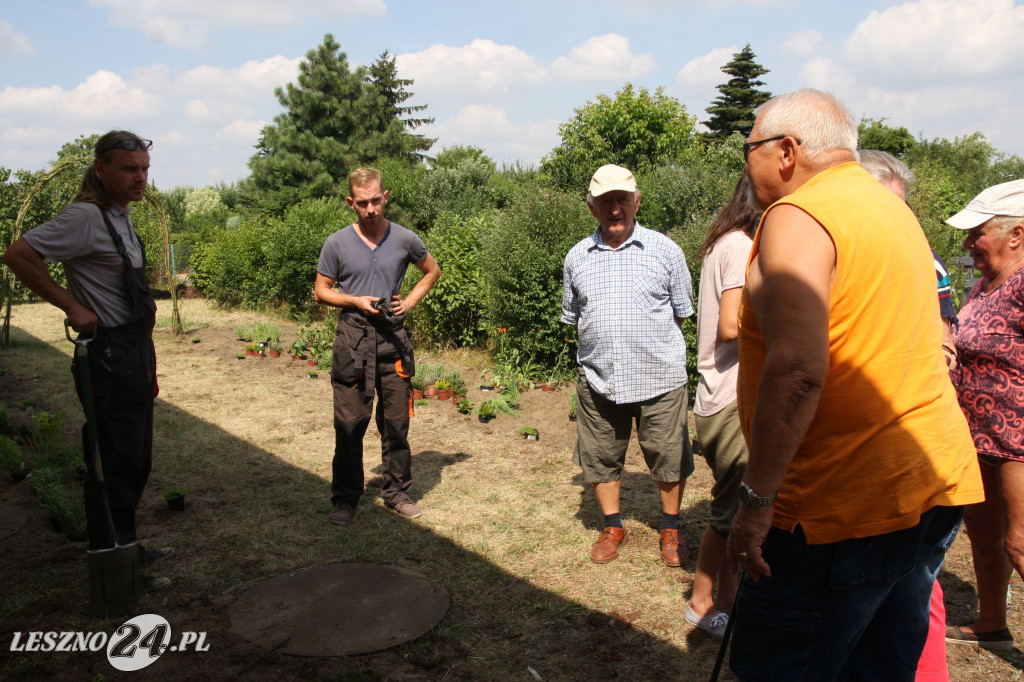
(850, 610)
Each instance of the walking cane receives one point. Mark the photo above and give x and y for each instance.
(113, 567)
(727, 635)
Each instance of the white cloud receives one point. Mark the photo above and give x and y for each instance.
(937, 40)
(242, 131)
(489, 128)
(103, 96)
(189, 23)
(482, 69)
(802, 44)
(14, 42)
(251, 80)
(600, 59)
(706, 70)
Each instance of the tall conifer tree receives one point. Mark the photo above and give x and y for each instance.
(733, 109)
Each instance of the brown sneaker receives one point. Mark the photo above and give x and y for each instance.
(607, 546)
(673, 552)
(407, 510)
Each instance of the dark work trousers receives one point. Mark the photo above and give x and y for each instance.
(122, 367)
(353, 405)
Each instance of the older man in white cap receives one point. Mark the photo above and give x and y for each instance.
(990, 386)
(626, 288)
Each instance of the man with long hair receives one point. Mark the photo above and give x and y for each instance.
(109, 299)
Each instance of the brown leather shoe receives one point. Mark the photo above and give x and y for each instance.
(607, 546)
(673, 552)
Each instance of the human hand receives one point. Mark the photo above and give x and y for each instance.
(400, 306)
(365, 305)
(83, 320)
(749, 530)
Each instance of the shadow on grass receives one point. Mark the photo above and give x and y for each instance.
(251, 516)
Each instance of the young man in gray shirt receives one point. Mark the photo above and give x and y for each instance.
(372, 351)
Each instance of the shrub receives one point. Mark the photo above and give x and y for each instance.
(522, 261)
(452, 314)
(66, 510)
(10, 455)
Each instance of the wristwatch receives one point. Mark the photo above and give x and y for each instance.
(749, 498)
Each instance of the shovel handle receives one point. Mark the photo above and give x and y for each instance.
(79, 341)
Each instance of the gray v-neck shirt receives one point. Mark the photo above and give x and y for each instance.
(362, 271)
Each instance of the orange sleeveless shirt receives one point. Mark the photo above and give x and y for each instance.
(888, 440)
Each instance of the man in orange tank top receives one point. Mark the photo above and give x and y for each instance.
(859, 458)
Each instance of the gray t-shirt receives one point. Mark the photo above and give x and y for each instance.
(362, 271)
(78, 238)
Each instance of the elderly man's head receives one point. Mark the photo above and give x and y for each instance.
(613, 200)
(895, 175)
(795, 137)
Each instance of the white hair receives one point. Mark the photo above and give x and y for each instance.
(818, 119)
(590, 197)
(886, 168)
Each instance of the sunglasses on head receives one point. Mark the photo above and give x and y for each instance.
(131, 144)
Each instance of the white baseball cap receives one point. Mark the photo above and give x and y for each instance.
(610, 178)
(1003, 199)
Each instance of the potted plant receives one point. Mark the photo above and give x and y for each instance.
(275, 350)
(485, 412)
(311, 374)
(464, 406)
(251, 349)
(240, 356)
(443, 387)
(458, 388)
(529, 433)
(421, 402)
(573, 399)
(29, 404)
(417, 387)
(196, 339)
(298, 349)
(175, 498)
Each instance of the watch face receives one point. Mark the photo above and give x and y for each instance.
(744, 494)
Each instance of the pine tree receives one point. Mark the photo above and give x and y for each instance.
(733, 110)
(390, 117)
(336, 119)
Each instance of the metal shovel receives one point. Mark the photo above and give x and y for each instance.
(114, 585)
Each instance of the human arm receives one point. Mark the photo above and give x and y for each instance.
(30, 268)
(431, 273)
(948, 346)
(728, 314)
(790, 300)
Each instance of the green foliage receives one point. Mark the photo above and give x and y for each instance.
(452, 155)
(875, 134)
(486, 409)
(66, 509)
(336, 119)
(636, 130)
(733, 110)
(10, 455)
(453, 313)
(528, 431)
(269, 261)
(464, 190)
(522, 262)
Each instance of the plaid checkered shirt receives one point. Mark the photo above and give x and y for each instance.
(624, 303)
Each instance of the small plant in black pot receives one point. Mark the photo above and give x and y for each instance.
(175, 499)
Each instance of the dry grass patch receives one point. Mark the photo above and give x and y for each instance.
(506, 529)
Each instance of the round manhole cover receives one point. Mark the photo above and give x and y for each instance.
(339, 609)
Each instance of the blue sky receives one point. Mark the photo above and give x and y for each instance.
(198, 76)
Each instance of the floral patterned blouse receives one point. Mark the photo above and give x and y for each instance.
(990, 345)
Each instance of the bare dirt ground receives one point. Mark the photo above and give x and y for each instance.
(506, 529)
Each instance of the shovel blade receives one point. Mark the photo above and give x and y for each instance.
(114, 581)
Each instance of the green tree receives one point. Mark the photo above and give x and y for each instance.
(874, 134)
(733, 110)
(634, 129)
(336, 119)
(391, 120)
